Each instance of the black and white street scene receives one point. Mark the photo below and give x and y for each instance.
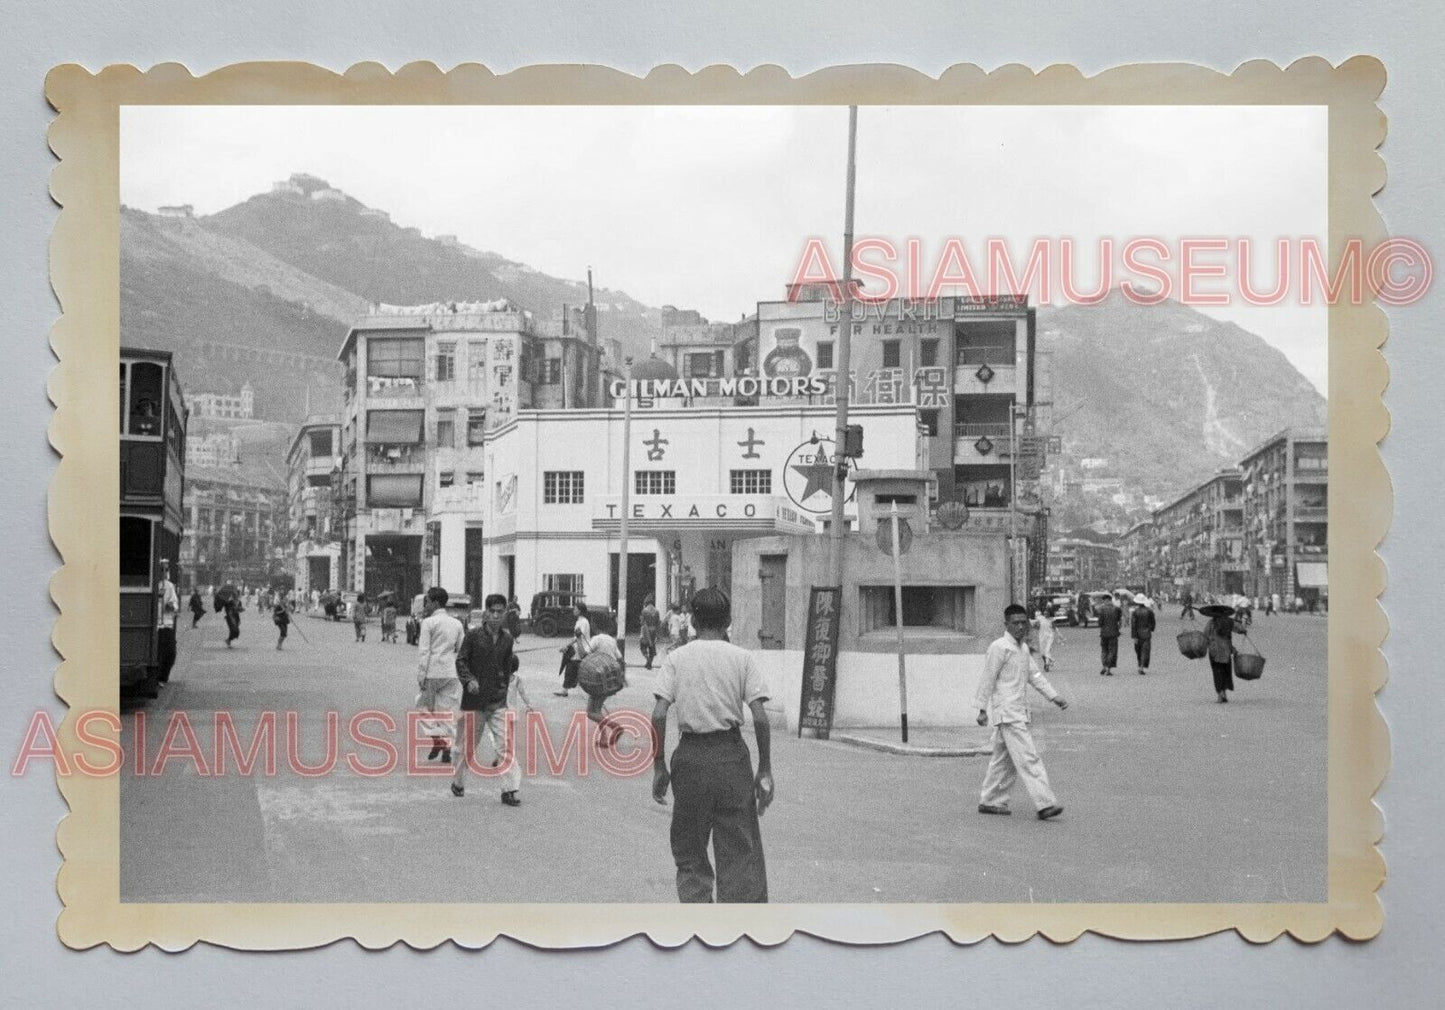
(739, 504)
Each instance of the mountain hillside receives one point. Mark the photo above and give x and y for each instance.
(1166, 394)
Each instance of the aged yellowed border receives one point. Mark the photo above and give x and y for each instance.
(85, 276)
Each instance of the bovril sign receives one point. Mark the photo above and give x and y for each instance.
(647, 389)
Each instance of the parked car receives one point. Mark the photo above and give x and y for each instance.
(1065, 610)
(459, 605)
(552, 614)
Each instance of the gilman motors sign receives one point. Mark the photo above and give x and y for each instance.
(796, 385)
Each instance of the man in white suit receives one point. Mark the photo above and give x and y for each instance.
(1002, 700)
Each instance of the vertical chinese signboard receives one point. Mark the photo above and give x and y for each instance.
(820, 660)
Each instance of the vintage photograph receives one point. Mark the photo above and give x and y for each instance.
(797, 503)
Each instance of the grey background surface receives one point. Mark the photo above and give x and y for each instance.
(1400, 968)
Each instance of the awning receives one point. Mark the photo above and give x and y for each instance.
(394, 427)
(394, 490)
(1312, 575)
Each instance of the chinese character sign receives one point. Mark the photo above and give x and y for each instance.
(820, 660)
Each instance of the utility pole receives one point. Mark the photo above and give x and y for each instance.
(626, 504)
(845, 335)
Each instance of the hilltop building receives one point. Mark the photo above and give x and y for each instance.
(223, 406)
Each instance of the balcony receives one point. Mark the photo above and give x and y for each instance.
(970, 356)
(996, 431)
(1311, 513)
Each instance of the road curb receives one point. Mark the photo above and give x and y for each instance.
(909, 750)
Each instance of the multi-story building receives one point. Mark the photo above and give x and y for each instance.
(216, 448)
(1286, 525)
(235, 522)
(1078, 565)
(699, 349)
(1136, 556)
(311, 470)
(1200, 538)
(223, 406)
(423, 387)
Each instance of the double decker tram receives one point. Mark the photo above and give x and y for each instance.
(152, 479)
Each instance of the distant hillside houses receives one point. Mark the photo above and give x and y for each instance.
(216, 449)
(176, 210)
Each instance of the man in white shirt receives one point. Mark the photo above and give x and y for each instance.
(440, 689)
(1002, 700)
(168, 605)
(711, 683)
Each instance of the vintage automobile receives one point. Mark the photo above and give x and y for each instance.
(552, 614)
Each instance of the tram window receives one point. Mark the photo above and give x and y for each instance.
(145, 398)
(135, 551)
(124, 399)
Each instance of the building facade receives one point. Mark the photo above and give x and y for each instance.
(700, 479)
(235, 526)
(1286, 517)
(1201, 538)
(311, 472)
(223, 406)
(1080, 566)
(423, 387)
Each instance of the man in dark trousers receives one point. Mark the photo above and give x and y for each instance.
(1110, 618)
(711, 683)
(1186, 605)
(1141, 629)
(485, 667)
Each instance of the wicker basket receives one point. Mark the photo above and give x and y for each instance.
(1248, 665)
(600, 675)
(1193, 644)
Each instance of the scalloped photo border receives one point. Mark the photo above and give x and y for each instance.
(84, 269)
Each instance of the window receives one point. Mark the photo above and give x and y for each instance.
(928, 353)
(475, 477)
(825, 354)
(394, 427)
(321, 444)
(446, 429)
(559, 583)
(447, 478)
(135, 551)
(654, 482)
(928, 421)
(145, 398)
(891, 352)
(393, 490)
(550, 372)
(477, 358)
(932, 608)
(703, 365)
(750, 482)
(393, 358)
(562, 487)
(446, 361)
(476, 425)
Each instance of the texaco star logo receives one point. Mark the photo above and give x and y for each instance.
(808, 476)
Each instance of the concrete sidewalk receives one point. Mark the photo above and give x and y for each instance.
(928, 741)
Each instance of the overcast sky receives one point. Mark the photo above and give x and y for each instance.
(710, 207)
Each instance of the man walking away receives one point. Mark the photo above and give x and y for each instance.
(283, 621)
(1186, 600)
(198, 609)
(1141, 629)
(484, 666)
(716, 794)
(1002, 700)
(1110, 617)
(650, 621)
(358, 617)
(439, 689)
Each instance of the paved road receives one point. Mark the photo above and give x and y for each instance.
(1168, 795)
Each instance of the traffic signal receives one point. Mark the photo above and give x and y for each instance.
(853, 441)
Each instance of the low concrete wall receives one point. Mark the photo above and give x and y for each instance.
(940, 688)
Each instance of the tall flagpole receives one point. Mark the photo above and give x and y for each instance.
(844, 373)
